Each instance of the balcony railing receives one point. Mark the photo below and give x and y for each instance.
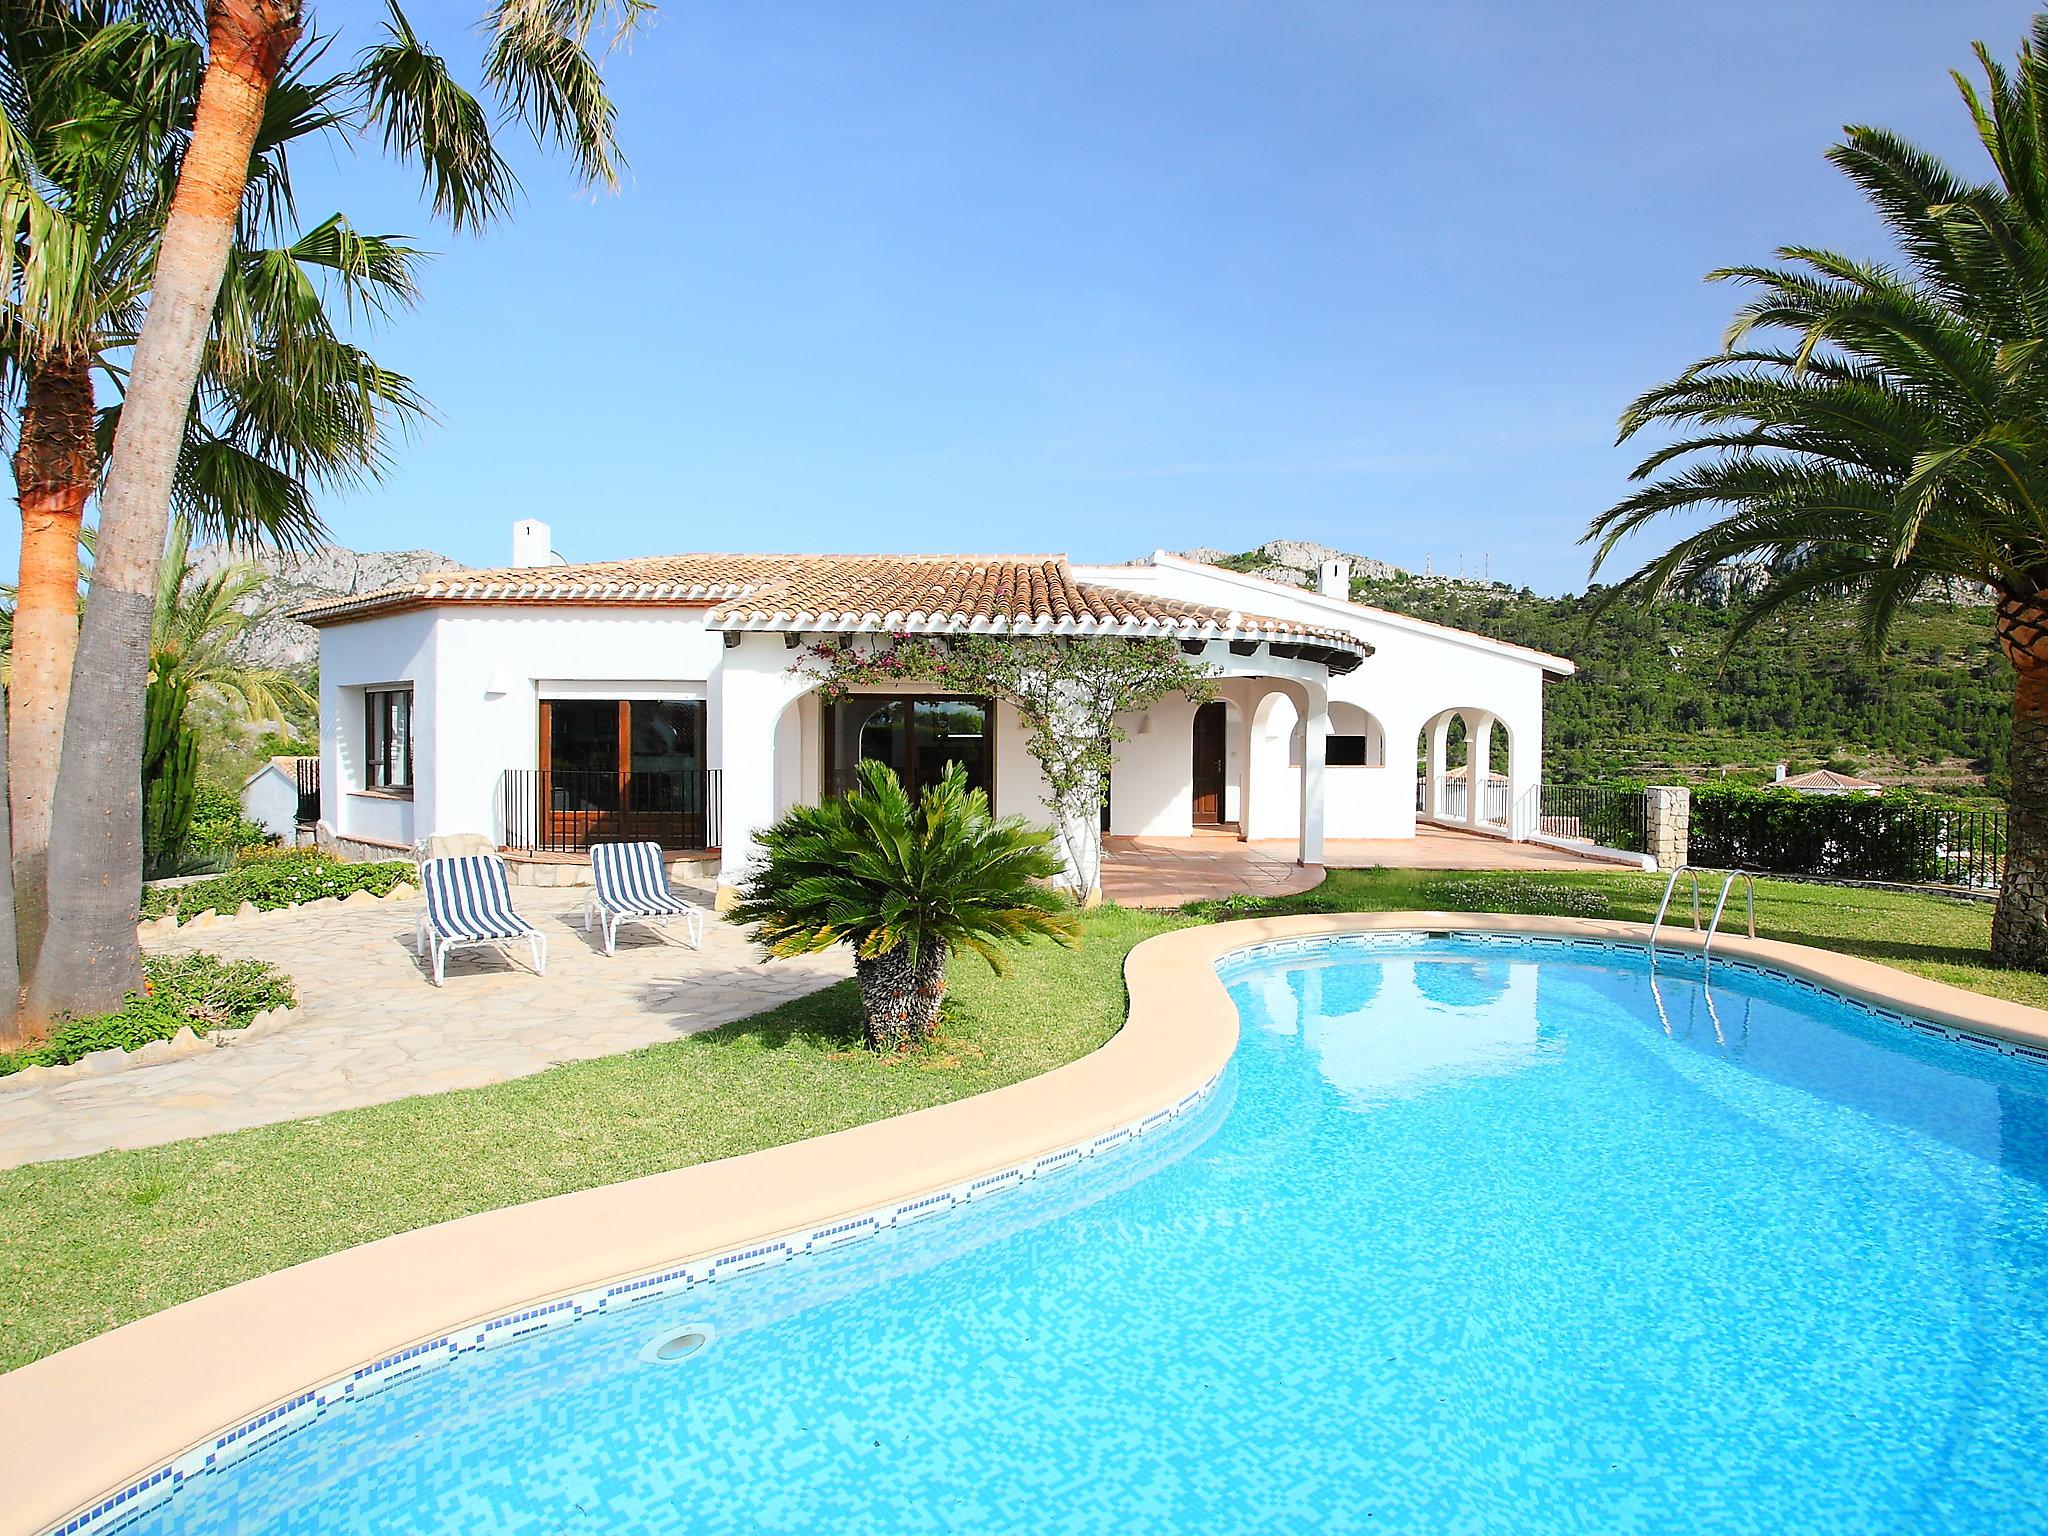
(1453, 791)
(550, 810)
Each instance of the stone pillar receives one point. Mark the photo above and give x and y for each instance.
(1668, 810)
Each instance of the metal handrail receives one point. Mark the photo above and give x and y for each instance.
(1720, 905)
(1665, 905)
(1749, 889)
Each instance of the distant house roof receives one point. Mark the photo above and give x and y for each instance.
(1825, 781)
(992, 594)
(286, 765)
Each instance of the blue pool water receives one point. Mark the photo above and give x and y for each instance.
(1469, 1238)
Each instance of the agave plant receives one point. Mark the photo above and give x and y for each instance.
(905, 883)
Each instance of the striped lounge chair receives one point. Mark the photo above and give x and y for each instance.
(629, 884)
(468, 902)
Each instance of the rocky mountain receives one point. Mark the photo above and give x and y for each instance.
(1297, 562)
(305, 576)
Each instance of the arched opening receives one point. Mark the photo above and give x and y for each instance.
(1356, 739)
(1272, 806)
(797, 753)
(1451, 786)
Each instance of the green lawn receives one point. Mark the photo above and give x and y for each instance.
(89, 1244)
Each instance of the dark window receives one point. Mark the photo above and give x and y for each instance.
(917, 736)
(1344, 751)
(388, 739)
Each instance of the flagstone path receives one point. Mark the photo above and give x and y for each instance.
(370, 1027)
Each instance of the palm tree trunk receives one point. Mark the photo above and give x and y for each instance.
(2019, 929)
(899, 1001)
(89, 959)
(10, 973)
(55, 465)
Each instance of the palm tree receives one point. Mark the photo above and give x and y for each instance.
(194, 657)
(538, 64)
(1872, 428)
(905, 885)
(92, 145)
(196, 634)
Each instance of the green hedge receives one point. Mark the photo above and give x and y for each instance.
(271, 881)
(201, 991)
(1895, 836)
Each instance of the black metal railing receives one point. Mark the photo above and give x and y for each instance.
(554, 811)
(1850, 837)
(1588, 813)
(307, 773)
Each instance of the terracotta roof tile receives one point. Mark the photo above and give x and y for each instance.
(945, 593)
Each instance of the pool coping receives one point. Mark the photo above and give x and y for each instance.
(97, 1420)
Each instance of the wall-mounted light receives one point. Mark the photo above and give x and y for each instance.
(732, 639)
(499, 684)
(1145, 723)
(791, 639)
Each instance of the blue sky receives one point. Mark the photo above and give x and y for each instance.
(1102, 277)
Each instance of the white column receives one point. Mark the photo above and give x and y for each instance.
(749, 690)
(1439, 754)
(1478, 764)
(1315, 736)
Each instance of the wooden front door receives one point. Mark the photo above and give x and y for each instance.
(1210, 725)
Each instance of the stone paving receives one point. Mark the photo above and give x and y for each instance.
(370, 1026)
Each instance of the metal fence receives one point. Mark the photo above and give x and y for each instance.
(1587, 813)
(307, 773)
(550, 811)
(1850, 837)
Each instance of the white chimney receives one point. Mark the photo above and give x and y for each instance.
(1335, 578)
(533, 544)
(1779, 776)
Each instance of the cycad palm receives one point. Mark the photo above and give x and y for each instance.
(905, 883)
(1875, 430)
(90, 143)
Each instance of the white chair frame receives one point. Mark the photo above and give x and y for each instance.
(434, 946)
(609, 918)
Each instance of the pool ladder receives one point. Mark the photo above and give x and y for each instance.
(1714, 925)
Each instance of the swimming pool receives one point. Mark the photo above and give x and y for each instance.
(1473, 1235)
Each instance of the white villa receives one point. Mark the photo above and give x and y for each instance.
(548, 705)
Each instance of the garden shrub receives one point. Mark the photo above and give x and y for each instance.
(218, 825)
(272, 880)
(1893, 837)
(199, 991)
(1513, 893)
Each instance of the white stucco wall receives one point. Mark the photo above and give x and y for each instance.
(382, 652)
(271, 800)
(1417, 670)
(478, 673)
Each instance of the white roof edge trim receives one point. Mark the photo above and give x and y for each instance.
(1164, 560)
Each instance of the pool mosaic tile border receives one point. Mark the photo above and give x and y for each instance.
(282, 1420)
(1325, 946)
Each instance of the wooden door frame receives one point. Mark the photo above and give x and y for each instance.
(1222, 765)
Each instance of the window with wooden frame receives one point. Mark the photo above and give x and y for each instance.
(387, 738)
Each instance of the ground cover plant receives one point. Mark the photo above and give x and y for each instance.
(199, 992)
(269, 881)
